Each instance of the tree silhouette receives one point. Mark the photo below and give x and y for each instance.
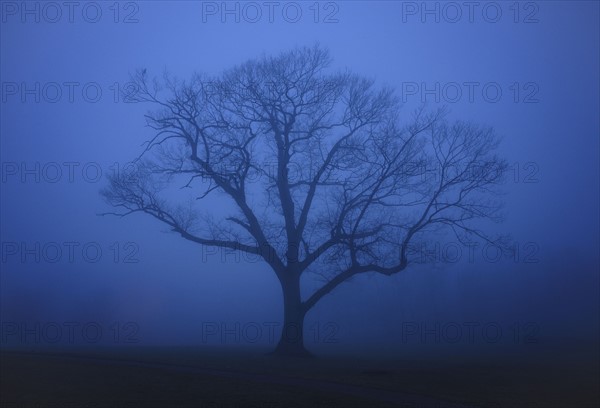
(316, 166)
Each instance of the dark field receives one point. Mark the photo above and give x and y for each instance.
(188, 377)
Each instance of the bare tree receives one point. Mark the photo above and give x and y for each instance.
(316, 165)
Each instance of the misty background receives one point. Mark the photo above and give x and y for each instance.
(158, 289)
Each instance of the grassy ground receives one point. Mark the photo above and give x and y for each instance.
(182, 377)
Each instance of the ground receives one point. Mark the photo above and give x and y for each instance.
(215, 378)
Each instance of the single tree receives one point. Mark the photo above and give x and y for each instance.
(315, 165)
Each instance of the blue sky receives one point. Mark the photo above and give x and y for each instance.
(546, 69)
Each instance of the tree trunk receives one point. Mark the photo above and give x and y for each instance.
(291, 342)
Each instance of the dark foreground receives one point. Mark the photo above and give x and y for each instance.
(182, 377)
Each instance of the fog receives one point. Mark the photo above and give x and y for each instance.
(65, 127)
